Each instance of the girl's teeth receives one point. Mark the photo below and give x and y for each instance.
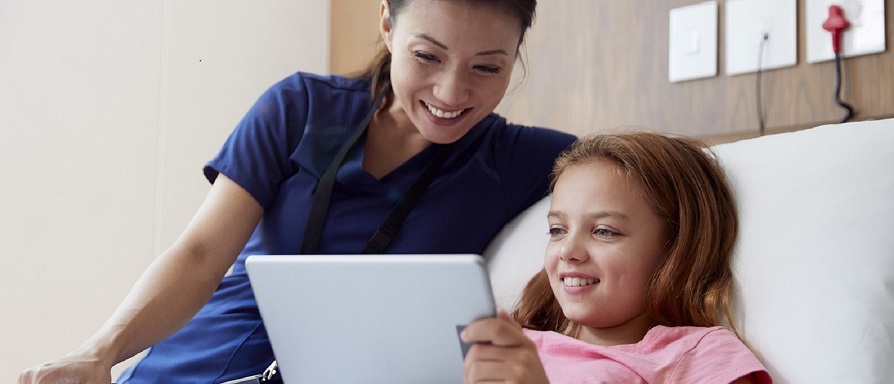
(578, 282)
(442, 114)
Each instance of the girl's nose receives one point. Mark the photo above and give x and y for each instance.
(573, 249)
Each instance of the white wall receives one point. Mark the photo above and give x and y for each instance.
(108, 110)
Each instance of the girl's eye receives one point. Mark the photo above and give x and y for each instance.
(426, 56)
(488, 69)
(606, 233)
(555, 232)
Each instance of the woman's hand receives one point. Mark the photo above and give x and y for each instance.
(501, 352)
(169, 293)
(75, 368)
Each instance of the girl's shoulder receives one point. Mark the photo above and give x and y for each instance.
(686, 337)
(704, 354)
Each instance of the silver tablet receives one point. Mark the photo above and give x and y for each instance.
(370, 318)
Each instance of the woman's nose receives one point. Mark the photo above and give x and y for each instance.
(452, 88)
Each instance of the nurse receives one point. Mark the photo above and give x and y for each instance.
(405, 157)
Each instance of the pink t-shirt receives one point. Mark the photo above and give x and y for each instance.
(665, 355)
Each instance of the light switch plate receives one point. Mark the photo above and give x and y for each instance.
(865, 36)
(746, 22)
(692, 46)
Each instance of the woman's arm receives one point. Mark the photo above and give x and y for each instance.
(170, 291)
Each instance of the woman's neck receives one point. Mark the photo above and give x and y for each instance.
(390, 142)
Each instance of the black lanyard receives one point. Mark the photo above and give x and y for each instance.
(389, 228)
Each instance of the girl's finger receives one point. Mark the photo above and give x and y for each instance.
(495, 330)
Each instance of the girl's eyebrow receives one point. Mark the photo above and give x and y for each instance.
(612, 214)
(444, 47)
(595, 215)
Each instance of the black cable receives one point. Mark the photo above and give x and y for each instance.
(758, 102)
(848, 107)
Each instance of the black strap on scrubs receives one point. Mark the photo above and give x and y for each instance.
(389, 228)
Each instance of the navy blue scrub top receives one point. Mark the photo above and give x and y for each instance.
(279, 151)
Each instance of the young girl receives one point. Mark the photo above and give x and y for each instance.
(636, 279)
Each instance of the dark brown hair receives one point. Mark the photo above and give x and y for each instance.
(378, 71)
(686, 186)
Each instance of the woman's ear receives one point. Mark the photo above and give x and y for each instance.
(385, 22)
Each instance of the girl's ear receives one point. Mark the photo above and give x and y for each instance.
(385, 22)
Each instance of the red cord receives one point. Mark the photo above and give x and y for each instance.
(836, 23)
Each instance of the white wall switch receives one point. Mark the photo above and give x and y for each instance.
(692, 45)
(746, 23)
(866, 34)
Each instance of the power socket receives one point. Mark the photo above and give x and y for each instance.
(746, 23)
(866, 34)
(692, 45)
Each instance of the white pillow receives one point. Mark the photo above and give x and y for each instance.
(814, 264)
(516, 254)
(815, 258)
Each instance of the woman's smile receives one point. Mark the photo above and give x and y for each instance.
(442, 113)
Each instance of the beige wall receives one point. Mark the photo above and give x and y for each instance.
(597, 65)
(108, 110)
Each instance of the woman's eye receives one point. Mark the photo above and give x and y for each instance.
(488, 69)
(426, 56)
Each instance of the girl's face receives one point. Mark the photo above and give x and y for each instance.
(605, 245)
(451, 64)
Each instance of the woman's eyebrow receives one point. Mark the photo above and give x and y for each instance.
(431, 40)
(444, 47)
(493, 52)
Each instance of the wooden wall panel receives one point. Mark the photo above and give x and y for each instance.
(601, 64)
(353, 35)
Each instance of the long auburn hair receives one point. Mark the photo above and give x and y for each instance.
(686, 186)
(378, 71)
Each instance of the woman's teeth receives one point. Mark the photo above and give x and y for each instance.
(577, 281)
(442, 114)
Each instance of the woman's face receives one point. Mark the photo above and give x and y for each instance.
(605, 245)
(451, 64)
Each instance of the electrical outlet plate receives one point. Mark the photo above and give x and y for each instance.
(692, 45)
(865, 36)
(746, 22)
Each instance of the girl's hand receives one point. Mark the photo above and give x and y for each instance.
(501, 352)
